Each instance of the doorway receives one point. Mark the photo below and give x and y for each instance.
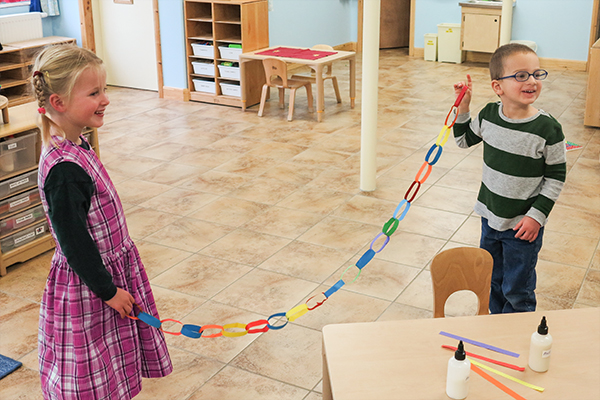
(407, 9)
(125, 39)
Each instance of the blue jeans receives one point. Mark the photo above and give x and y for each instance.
(513, 276)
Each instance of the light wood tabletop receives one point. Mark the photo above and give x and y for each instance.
(405, 360)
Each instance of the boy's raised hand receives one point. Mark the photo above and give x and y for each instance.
(527, 229)
(463, 107)
(122, 302)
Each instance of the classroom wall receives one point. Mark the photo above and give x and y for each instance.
(67, 23)
(309, 22)
(561, 28)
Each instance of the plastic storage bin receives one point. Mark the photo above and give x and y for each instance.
(19, 202)
(203, 50)
(230, 53)
(449, 43)
(229, 72)
(229, 89)
(21, 220)
(203, 85)
(203, 68)
(18, 153)
(18, 183)
(430, 47)
(23, 237)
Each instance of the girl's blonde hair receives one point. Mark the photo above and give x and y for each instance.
(56, 69)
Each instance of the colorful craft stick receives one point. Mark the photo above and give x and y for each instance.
(507, 365)
(512, 378)
(499, 385)
(480, 344)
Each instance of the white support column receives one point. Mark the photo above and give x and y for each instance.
(506, 22)
(370, 79)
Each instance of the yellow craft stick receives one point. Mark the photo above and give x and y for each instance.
(297, 312)
(512, 378)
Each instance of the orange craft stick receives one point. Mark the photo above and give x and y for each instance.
(507, 365)
(499, 385)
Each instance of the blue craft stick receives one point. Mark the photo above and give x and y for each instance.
(485, 346)
(365, 258)
(334, 288)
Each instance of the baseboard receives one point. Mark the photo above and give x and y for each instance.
(176, 93)
(549, 63)
(557, 63)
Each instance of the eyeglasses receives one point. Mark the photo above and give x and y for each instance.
(523, 76)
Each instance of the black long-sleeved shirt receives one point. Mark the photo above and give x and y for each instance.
(69, 189)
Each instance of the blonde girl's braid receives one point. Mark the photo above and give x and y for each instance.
(56, 69)
(38, 83)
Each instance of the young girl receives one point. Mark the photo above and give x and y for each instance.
(87, 348)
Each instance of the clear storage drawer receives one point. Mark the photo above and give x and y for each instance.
(21, 220)
(18, 183)
(23, 237)
(19, 202)
(17, 153)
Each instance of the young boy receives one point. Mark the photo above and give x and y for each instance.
(524, 170)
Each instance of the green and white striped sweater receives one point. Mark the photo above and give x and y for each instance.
(524, 164)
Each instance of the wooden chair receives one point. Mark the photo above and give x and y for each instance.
(4, 108)
(328, 73)
(462, 268)
(276, 74)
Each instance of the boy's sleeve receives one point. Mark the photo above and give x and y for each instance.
(555, 173)
(467, 132)
(68, 189)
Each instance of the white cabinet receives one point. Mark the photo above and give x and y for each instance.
(480, 28)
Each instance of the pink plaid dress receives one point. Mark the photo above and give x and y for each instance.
(86, 351)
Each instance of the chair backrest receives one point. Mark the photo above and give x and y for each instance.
(322, 47)
(461, 268)
(325, 47)
(275, 67)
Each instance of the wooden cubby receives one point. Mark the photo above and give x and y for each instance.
(225, 22)
(23, 121)
(16, 60)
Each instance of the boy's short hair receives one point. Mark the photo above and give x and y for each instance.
(502, 53)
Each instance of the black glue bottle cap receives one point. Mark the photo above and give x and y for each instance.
(543, 328)
(459, 354)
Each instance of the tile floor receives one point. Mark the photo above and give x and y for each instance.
(239, 217)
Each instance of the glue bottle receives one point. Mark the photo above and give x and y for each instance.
(540, 348)
(459, 369)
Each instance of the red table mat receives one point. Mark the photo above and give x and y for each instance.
(289, 52)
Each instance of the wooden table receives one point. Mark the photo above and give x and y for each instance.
(404, 359)
(316, 65)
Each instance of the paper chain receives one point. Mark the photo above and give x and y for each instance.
(264, 325)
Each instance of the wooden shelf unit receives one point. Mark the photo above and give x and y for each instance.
(224, 22)
(16, 60)
(23, 120)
